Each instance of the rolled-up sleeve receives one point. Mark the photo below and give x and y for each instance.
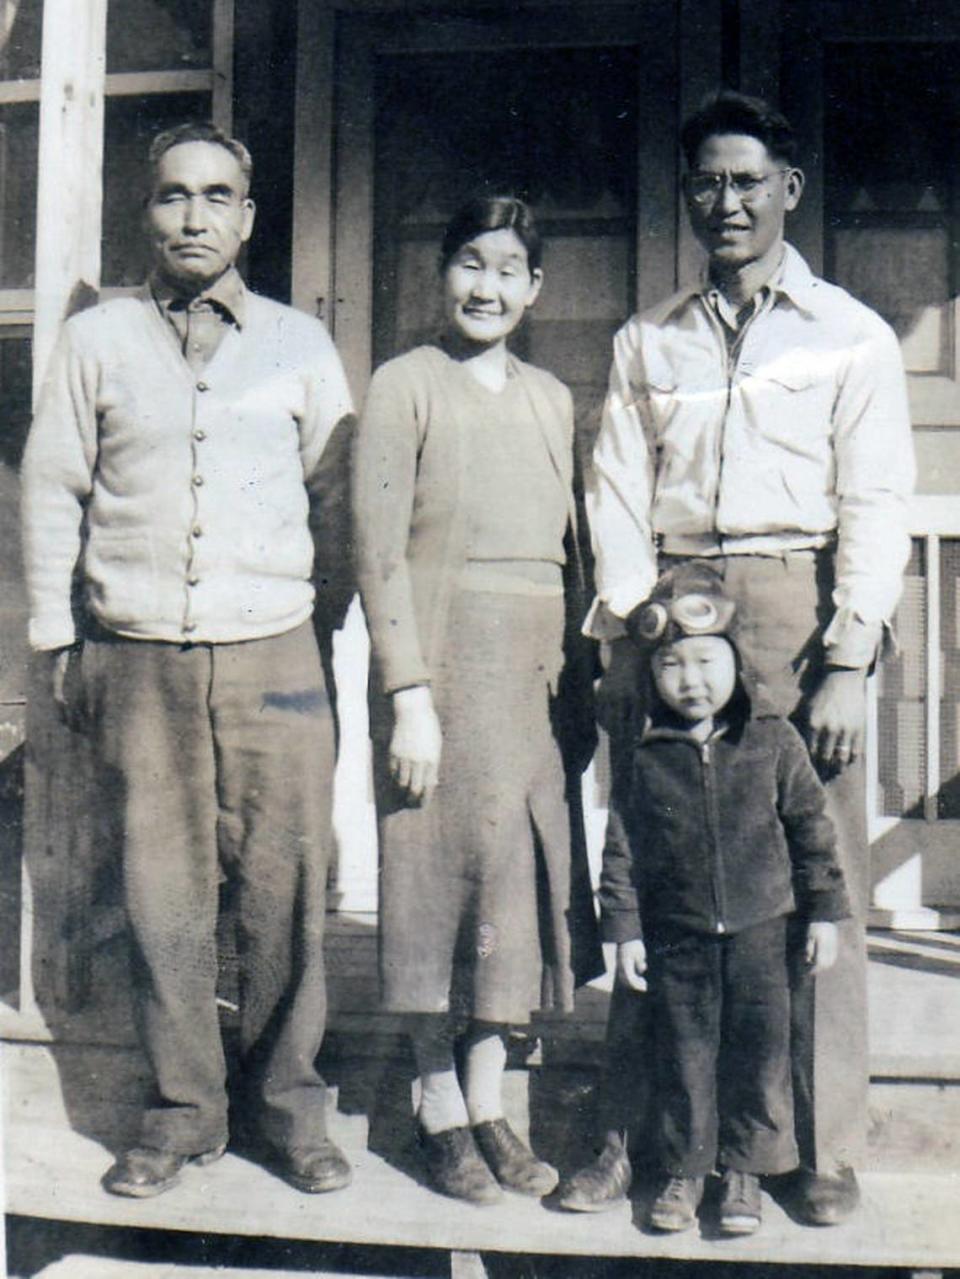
(619, 495)
(56, 480)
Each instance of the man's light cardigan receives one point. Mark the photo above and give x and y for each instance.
(185, 497)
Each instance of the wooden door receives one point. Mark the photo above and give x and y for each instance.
(875, 93)
(572, 107)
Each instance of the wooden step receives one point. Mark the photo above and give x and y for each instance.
(68, 1109)
(78, 1266)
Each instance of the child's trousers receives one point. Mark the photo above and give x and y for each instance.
(722, 1027)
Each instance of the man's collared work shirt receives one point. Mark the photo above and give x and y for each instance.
(793, 437)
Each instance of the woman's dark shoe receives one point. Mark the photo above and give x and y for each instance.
(456, 1167)
(740, 1207)
(599, 1186)
(513, 1164)
(141, 1173)
(825, 1198)
(675, 1207)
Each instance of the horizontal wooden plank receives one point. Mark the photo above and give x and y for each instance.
(55, 1159)
(138, 83)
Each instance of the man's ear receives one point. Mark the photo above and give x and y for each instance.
(793, 188)
(249, 216)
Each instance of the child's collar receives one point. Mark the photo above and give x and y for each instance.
(651, 732)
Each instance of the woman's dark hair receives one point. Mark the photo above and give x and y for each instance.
(728, 112)
(492, 213)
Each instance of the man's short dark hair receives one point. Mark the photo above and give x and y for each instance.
(729, 112)
(200, 131)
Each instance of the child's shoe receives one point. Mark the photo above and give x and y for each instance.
(739, 1203)
(675, 1207)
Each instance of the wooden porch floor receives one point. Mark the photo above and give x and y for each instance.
(68, 1106)
(53, 1171)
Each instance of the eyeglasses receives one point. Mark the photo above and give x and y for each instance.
(705, 188)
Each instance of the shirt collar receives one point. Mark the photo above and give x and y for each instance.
(227, 294)
(792, 279)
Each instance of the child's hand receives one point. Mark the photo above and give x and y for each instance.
(632, 964)
(821, 948)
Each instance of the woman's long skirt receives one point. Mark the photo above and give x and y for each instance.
(475, 888)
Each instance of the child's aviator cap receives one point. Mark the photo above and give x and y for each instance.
(686, 601)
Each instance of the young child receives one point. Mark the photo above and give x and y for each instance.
(717, 836)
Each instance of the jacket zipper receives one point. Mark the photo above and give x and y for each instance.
(710, 810)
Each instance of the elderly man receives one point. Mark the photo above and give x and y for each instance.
(183, 463)
(760, 419)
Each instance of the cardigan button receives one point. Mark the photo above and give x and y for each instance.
(199, 435)
(198, 480)
(189, 627)
(196, 531)
(203, 386)
(193, 580)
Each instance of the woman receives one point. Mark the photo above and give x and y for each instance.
(465, 521)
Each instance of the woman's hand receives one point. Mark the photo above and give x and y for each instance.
(821, 948)
(415, 745)
(632, 964)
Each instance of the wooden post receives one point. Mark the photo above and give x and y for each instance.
(56, 831)
(70, 166)
(467, 1265)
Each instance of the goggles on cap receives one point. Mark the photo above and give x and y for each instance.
(692, 614)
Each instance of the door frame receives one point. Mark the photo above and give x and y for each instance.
(338, 44)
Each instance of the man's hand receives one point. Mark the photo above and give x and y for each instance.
(415, 745)
(835, 717)
(67, 688)
(61, 660)
(632, 964)
(820, 951)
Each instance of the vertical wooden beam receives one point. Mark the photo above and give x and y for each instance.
(801, 99)
(467, 1265)
(70, 166)
(56, 828)
(760, 49)
(701, 46)
(222, 51)
(934, 679)
(353, 219)
(312, 265)
(658, 205)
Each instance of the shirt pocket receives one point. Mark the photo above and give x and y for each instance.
(790, 408)
(121, 576)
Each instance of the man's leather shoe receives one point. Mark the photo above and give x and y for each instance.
(141, 1173)
(314, 1170)
(825, 1199)
(676, 1204)
(599, 1186)
(740, 1203)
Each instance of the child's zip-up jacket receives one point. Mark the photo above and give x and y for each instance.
(719, 835)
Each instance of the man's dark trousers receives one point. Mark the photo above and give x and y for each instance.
(218, 761)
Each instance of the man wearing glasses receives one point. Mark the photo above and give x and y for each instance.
(760, 419)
